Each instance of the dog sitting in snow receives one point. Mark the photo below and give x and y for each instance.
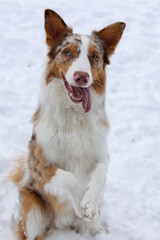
(61, 179)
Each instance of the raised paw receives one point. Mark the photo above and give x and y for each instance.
(90, 211)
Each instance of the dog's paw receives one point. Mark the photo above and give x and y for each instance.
(90, 210)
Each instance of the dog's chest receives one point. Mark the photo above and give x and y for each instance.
(72, 142)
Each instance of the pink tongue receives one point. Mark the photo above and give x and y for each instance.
(86, 99)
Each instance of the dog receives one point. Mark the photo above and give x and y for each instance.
(61, 178)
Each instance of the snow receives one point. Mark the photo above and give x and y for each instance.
(132, 194)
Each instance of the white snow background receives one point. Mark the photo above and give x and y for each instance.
(132, 194)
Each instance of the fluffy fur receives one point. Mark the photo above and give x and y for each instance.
(62, 177)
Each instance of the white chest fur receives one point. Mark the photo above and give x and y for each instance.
(72, 140)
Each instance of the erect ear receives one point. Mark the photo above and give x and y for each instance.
(110, 37)
(56, 28)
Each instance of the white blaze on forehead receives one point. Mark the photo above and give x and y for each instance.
(81, 63)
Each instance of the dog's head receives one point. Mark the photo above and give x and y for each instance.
(79, 60)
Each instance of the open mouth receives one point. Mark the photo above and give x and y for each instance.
(79, 94)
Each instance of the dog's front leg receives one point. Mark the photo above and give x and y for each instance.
(92, 200)
(65, 186)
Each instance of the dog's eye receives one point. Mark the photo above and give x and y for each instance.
(94, 56)
(68, 53)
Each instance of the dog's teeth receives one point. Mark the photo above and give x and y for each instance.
(76, 98)
(71, 96)
(70, 88)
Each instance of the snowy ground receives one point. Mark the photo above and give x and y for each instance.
(132, 196)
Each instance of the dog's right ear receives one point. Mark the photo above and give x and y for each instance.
(56, 28)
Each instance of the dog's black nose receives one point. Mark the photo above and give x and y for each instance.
(81, 78)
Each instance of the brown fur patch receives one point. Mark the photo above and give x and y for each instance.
(61, 63)
(17, 174)
(53, 72)
(30, 200)
(36, 115)
(99, 80)
(45, 171)
(19, 232)
(98, 70)
(105, 123)
(41, 172)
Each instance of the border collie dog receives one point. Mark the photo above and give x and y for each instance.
(61, 179)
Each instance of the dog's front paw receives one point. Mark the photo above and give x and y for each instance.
(90, 208)
(90, 211)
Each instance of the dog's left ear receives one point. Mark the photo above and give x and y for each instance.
(56, 28)
(110, 37)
